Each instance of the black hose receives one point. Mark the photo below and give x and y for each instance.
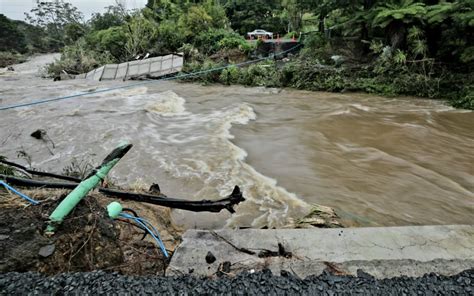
(38, 173)
(196, 206)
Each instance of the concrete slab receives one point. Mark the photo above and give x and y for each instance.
(380, 251)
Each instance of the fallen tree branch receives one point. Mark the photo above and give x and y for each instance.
(280, 253)
(162, 200)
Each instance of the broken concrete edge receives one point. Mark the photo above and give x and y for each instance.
(379, 269)
(382, 252)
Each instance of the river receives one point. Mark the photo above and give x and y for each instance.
(378, 161)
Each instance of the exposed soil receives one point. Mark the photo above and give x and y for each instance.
(87, 239)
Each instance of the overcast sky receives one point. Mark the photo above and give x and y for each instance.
(15, 9)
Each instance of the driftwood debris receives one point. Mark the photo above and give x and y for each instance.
(162, 200)
(41, 134)
(264, 253)
(243, 250)
(280, 253)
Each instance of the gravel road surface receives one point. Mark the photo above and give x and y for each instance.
(258, 283)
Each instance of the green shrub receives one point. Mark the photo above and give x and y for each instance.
(197, 66)
(230, 75)
(169, 38)
(11, 37)
(4, 169)
(78, 58)
(262, 74)
(141, 35)
(234, 41)
(8, 58)
(465, 102)
(316, 46)
(73, 31)
(110, 40)
(207, 42)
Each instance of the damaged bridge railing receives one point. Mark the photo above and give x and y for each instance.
(152, 67)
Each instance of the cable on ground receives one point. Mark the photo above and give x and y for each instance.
(8, 187)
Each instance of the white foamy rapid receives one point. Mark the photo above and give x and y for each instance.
(199, 146)
(167, 104)
(385, 161)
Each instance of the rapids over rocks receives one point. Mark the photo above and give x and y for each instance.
(377, 161)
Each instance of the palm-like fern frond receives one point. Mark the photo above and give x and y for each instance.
(405, 11)
(439, 12)
(462, 12)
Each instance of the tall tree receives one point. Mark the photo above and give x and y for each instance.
(394, 17)
(11, 38)
(248, 15)
(114, 16)
(54, 17)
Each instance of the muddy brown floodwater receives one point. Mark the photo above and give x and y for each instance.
(377, 161)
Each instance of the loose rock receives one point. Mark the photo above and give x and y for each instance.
(258, 283)
(226, 266)
(47, 250)
(210, 258)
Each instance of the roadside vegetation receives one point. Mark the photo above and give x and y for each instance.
(394, 47)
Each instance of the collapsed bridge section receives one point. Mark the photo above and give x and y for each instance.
(152, 67)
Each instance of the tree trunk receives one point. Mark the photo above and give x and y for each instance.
(364, 37)
(321, 24)
(396, 33)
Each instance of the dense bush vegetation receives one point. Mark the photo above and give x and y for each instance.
(8, 58)
(420, 48)
(118, 35)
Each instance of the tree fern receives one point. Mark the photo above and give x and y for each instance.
(405, 11)
(417, 42)
(439, 12)
(462, 12)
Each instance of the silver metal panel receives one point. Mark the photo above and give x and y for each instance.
(154, 67)
(98, 73)
(109, 72)
(121, 71)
